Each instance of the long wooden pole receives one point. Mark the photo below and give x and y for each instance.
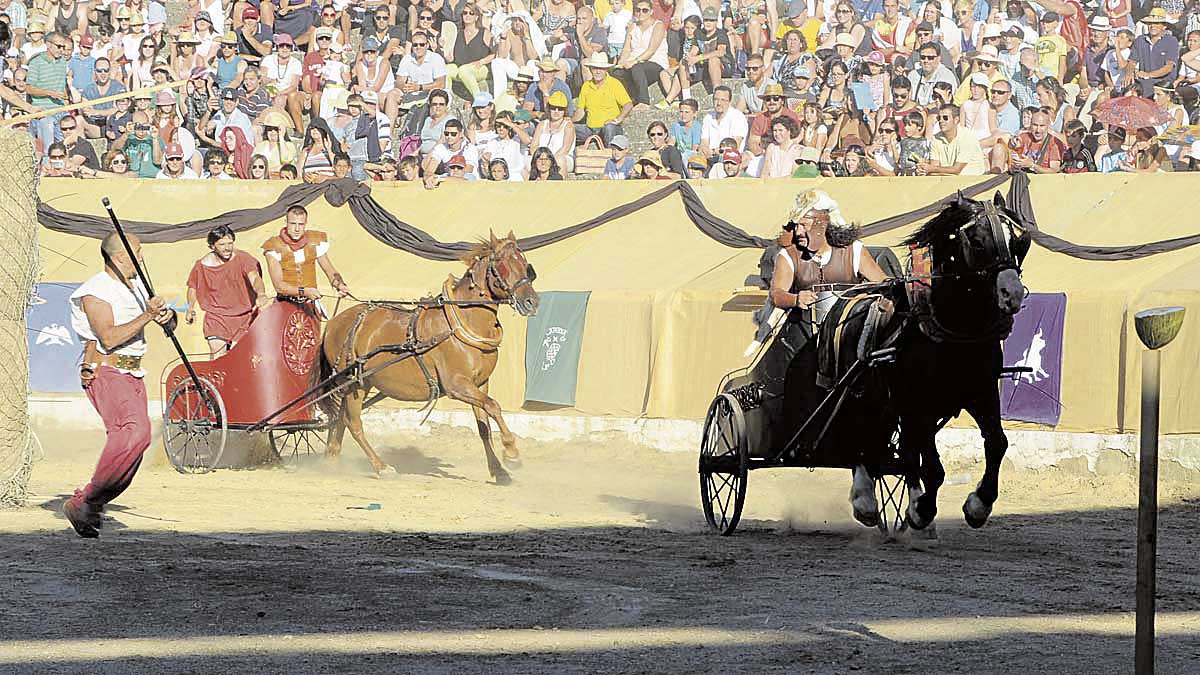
(84, 104)
(1147, 523)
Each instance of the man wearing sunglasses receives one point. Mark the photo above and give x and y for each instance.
(454, 142)
(79, 151)
(46, 84)
(929, 71)
(420, 71)
(955, 150)
(102, 85)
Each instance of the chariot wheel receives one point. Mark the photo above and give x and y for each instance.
(292, 446)
(724, 464)
(194, 427)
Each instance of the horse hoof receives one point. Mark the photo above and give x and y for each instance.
(503, 478)
(976, 511)
(924, 538)
(386, 472)
(868, 518)
(513, 462)
(915, 521)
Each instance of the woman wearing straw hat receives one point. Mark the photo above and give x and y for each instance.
(274, 145)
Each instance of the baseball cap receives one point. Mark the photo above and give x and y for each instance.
(249, 13)
(173, 150)
(229, 94)
(620, 141)
(1015, 31)
(205, 16)
(164, 98)
(370, 96)
(371, 44)
(699, 162)
(86, 41)
(731, 155)
(925, 26)
(802, 70)
(796, 7)
(323, 31)
(484, 99)
(457, 160)
(710, 14)
(1050, 16)
(981, 80)
(283, 39)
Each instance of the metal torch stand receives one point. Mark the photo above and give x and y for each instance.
(1147, 523)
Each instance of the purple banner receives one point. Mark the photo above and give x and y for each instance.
(1036, 343)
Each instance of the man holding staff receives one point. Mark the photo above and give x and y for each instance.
(110, 312)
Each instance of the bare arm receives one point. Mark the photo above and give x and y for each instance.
(869, 269)
(332, 274)
(111, 336)
(261, 299)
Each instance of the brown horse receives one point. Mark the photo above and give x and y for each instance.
(459, 341)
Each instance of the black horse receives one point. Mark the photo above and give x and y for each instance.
(951, 357)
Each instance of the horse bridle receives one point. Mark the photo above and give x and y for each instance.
(494, 279)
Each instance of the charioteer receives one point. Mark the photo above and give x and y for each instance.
(292, 259)
(227, 284)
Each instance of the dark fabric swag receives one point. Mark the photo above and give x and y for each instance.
(389, 229)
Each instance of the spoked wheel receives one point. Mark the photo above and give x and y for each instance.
(194, 427)
(292, 446)
(724, 464)
(892, 494)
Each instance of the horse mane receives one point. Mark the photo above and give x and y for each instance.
(482, 248)
(956, 214)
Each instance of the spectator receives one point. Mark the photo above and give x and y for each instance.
(409, 169)
(1077, 158)
(954, 150)
(1052, 96)
(723, 122)
(556, 132)
(781, 155)
(383, 125)
(215, 165)
(388, 34)
(620, 165)
(326, 24)
(288, 172)
(293, 18)
(771, 106)
(1008, 118)
(508, 147)
(280, 72)
(229, 64)
(806, 163)
(372, 73)
(813, 133)
(498, 171)
(207, 37)
(731, 163)
(670, 159)
(274, 146)
(543, 167)
(1051, 47)
(1037, 150)
(82, 64)
(687, 130)
(1024, 81)
(883, 154)
(229, 115)
(977, 112)
(684, 64)
(1156, 54)
(95, 117)
(46, 85)
(588, 37)
(79, 151)
(316, 156)
(173, 165)
(756, 82)
(139, 68)
(472, 52)
(649, 166)
(482, 127)
(55, 164)
(794, 58)
(929, 71)
(616, 24)
(139, 146)
(253, 38)
(185, 60)
(420, 72)
(237, 146)
(603, 103)
(915, 147)
(1111, 155)
(1146, 155)
(259, 168)
(434, 125)
(696, 167)
(253, 99)
(454, 142)
(718, 56)
(116, 165)
(644, 56)
(548, 83)
(515, 47)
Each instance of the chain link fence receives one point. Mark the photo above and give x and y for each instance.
(18, 272)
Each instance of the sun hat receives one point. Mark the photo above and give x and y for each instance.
(143, 94)
(283, 39)
(598, 59)
(546, 64)
(1157, 15)
(526, 74)
(772, 89)
(620, 141)
(1100, 23)
(844, 40)
(987, 53)
(123, 12)
(557, 99)
(229, 38)
(135, 19)
(808, 154)
(980, 80)
(164, 98)
(186, 37)
(370, 96)
(876, 57)
(992, 30)
(483, 99)
(651, 157)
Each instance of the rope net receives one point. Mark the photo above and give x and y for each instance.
(18, 272)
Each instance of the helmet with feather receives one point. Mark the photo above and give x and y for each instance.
(824, 211)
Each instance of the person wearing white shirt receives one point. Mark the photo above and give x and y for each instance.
(616, 23)
(723, 122)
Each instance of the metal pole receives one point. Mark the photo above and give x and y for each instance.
(1147, 524)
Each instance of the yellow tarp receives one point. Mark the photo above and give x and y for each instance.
(656, 340)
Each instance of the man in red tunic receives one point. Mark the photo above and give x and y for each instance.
(227, 284)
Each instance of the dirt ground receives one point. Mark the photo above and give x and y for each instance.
(595, 559)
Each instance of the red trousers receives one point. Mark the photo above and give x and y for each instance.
(120, 398)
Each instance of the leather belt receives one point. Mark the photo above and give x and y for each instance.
(93, 359)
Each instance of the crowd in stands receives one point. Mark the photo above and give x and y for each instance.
(444, 90)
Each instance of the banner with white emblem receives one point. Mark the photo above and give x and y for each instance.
(553, 345)
(54, 349)
(1036, 343)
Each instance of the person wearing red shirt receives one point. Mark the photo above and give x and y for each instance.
(774, 103)
(227, 284)
(1036, 150)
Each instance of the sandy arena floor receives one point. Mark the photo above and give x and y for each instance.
(594, 560)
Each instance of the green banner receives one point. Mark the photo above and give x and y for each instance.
(552, 347)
